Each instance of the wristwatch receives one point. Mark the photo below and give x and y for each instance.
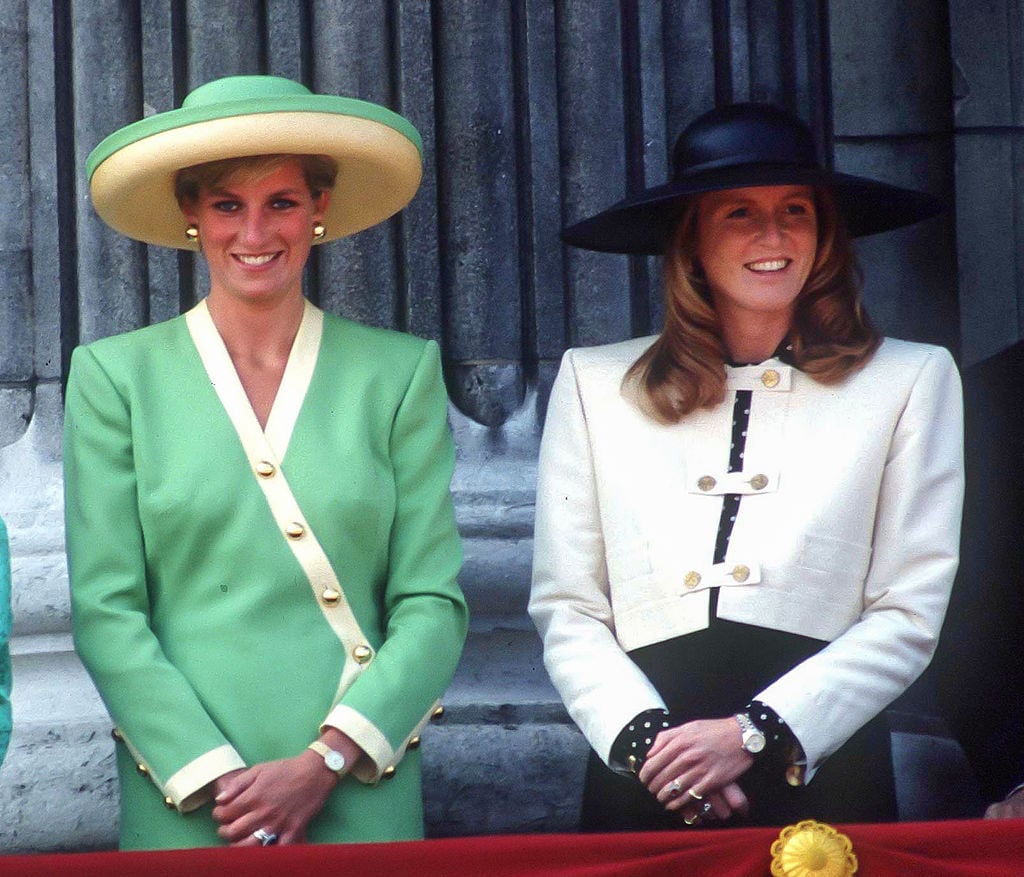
(334, 760)
(753, 737)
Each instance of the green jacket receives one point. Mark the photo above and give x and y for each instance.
(5, 639)
(234, 589)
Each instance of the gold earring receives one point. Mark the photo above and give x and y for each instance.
(192, 233)
(318, 231)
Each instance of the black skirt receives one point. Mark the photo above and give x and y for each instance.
(714, 673)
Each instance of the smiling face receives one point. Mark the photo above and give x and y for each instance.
(256, 232)
(756, 247)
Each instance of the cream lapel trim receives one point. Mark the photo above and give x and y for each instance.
(298, 374)
(265, 465)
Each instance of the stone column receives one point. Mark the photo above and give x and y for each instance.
(988, 64)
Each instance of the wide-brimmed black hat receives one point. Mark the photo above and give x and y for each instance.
(734, 147)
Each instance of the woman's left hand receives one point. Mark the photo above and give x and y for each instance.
(705, 757)
(279, 797)
(1011, 807)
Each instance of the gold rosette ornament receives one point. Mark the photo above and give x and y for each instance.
(812, 849)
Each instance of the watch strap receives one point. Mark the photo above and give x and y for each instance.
(750, 733)
(326, 753)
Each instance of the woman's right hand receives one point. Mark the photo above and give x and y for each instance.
(723, 803)
(698, 763)
(278, 797)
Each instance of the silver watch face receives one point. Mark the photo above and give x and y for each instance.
(336, 761)
(753, 742)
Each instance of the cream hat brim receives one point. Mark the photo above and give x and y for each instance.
(379, 164)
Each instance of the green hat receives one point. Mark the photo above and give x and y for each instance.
(379, 154)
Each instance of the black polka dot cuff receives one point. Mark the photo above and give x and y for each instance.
(633, 742)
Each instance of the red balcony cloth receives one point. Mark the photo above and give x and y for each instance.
(931, 849)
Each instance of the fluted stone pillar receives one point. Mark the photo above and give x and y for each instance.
(898, 128)
(988, 110)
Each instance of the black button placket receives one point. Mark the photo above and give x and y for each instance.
(731, 501)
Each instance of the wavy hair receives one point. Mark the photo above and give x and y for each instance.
(831, 335)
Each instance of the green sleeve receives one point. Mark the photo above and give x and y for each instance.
(426, 612)
(157, 711)
(5, 638)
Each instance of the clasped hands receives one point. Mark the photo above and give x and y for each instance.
(280, 797)
(693, 768)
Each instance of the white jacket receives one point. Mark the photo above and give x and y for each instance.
(848, 532)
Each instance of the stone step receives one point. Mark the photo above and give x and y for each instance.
(496, 579)
(505, 757)
(58, 789)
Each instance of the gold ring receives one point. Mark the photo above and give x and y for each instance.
(694, 795)
(692, 820)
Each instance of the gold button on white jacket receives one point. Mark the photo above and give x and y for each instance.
(848, 532)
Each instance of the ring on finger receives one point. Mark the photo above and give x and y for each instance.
(693, 794)
(693, 819)
(266, 838)
(705, 808)
(674, 789)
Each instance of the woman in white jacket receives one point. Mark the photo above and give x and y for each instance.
(747, 527)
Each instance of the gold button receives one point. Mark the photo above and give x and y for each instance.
(633, 764)
(169, 804)
(142, 769)
(706, 482)
(295, 530)
(437, 713)
(414, 743)
(330, 596)
(265, 469)
(691, 579)
(740, 572)
(116, 734)
(759, 482)
(795, 775)
(362, 654)
(770, 378)
(388, 772)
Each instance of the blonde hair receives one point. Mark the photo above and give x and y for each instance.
(319, 171)
(831, 335)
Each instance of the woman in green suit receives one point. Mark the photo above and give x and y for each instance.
(261, 541)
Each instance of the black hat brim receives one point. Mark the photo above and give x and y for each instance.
(642, 223)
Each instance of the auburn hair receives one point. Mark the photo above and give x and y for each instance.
(831, 335)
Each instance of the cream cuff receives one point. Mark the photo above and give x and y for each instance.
(380, 759)
(190, 787)
(378, 754)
